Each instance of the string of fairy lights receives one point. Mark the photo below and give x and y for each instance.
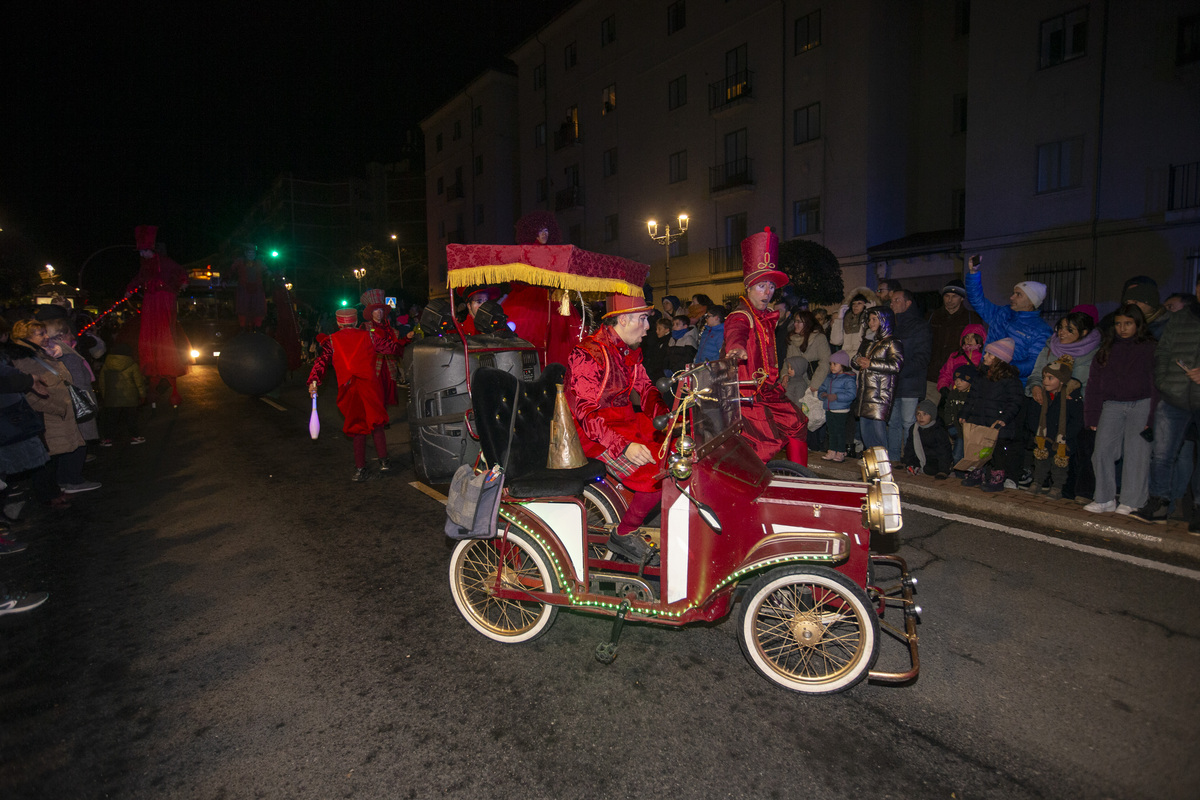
(111, 309)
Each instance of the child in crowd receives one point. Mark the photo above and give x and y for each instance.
(70, 473)
(712, 338)
(654, 349)
(995, 400)
(1055, 425)
(123, 392)
(1119, 406)
(970, 351)
(953, 401)
(837, 394)
(681, 349)
(928, 450)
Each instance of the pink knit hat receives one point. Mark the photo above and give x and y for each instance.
(1002, 349)
(1090, 310)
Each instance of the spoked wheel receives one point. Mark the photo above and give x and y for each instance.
(808, 629)
(600, 512)
(790, 469)
(521, 564)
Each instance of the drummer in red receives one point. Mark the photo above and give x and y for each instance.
(772, 421)
(352, 352)
(602, 371)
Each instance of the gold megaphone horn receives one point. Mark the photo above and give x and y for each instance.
(565, 450)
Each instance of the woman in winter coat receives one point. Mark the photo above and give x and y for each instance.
(850, 324)
(1119, 406)
(63, 441)
(808, 340)
(24, 451)
(995, 401)
(970, 351)
(879, 358)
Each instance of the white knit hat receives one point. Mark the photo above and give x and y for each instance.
(1036, 292)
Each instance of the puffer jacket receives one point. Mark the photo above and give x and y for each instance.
(959, 356)
(877, 383)
(992, 401)
(712, 339)
(121, 382)
(1027, 329)
(916, 336)
(62, 434)
(1180, 342)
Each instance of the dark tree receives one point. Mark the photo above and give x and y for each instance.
(814, 271)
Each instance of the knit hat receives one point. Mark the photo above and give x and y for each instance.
(966, 372)
(929, 407)
(955, 287)
(1002, 349)
(840, 357)
(1036, 292)
(1141, 293)
(1060, 369)
(1090, 310)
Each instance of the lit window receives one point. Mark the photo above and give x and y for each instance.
(608, 99)
(807, 124)
(1063, 38)
(1060, 165)
(808, 32)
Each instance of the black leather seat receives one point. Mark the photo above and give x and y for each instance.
(493, 392)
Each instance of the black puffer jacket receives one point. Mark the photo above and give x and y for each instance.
(1180, 342)
(996, 400)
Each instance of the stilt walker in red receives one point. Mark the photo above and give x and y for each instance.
(251, 300)
(602, 370)
(159, 351)
(771, 420)
(352, 353)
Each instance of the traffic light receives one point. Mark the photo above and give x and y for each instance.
(274, 254)
(345, 303)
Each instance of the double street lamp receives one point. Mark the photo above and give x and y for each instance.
(360, 274)
(667, 238)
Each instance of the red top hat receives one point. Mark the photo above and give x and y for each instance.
(372, 297)
(626, 304)
(145, 235)
(760, 256)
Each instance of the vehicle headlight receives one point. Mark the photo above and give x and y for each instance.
(875, 465)
(882, 509)
(195, 354)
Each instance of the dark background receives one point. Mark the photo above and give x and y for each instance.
(181, 114)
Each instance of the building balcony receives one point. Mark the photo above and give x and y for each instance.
(571, 197)
(455, 191)
(730, 90)
(566, 136)
(1183, 186)
(731, 175)
(725, 259)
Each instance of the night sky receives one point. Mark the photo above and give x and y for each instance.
(181, 114)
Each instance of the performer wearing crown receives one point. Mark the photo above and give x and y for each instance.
(772, 421)
(602, 370)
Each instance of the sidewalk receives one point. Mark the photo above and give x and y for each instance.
(1024, 509)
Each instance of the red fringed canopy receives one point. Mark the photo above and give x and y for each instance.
(562, 266)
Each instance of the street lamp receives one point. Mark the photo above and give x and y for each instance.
(667, 239)
(398, 262)
(360, 274)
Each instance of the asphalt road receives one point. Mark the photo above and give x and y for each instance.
(230, 617)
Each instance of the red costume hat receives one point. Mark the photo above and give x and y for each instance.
(346, 316)
(145, 235)
(626, 304)
(372, 297)
(760, 257)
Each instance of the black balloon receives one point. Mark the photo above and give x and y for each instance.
(253, 364)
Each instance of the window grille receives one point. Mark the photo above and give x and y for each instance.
(1063, 280)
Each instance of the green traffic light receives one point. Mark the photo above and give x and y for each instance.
(345, 303)
(274, 254)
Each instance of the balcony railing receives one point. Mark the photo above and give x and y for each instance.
(454, 191)
(1183, 188)
(566, 136)
(725, 259)
(571, 197)
(738, 172)
(731, 89)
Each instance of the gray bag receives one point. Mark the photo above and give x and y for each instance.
(473, 505)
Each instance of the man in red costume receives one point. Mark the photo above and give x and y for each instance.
(474, 300)
(352, 352)
(601, 372)
(771, 419)
(160, 279)
(251, 301)
(387, 365)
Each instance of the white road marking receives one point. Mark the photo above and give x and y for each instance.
(273, 404)
(423, 489)
(1182, 572)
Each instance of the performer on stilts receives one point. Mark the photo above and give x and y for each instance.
(160, 278)
(251, 300)
(771, 420)
(602, 370)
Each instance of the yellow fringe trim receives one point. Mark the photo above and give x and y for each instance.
(496, 273)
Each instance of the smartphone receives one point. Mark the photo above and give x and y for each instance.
(1182, 365)
(975, 261)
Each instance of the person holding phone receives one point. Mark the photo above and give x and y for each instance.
(1020, 320)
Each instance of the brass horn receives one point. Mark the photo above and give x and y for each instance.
(565, 450)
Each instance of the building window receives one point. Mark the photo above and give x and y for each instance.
(576, 234)
(608, 99)
(962, 17)
(608, 30)
(808, 32)
(441, 185)
(807, 124)
(958, 208)
(959, 121)
(479, 214)
(539, 135)
(457, 130)
(676, 17)
(735, 229)
(1062, 280)
(806, 216)
(1060, 165)
(1187, 47)
(677, 167)
(1063, 38)
(677, 92)
(570, 59)
(609, 163)
(477, 117)
(611, 228)
(539, 76)
(437, 143)
(541, 190)
(679, 247)
(572, 175)
(478, 165)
